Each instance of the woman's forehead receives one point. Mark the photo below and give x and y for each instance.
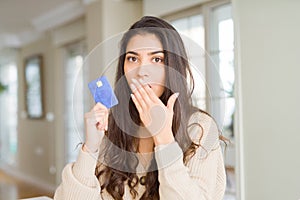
(145, 42)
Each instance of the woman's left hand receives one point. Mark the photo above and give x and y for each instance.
(155, 116)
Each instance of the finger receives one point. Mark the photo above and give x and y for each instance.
(89, 116)
(137, 104)
(94, 115)
(140, 88)
(133, 87)
(171, 101)
(91, 121)
(100, 112)
(100, 127)
(139, 99)
(94, 122)
(99, 106)
(106, 122)
(101, 124)
(151, 93)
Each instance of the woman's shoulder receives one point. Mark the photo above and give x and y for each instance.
(203, 130)
(201, 116)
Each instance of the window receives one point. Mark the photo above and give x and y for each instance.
(192, 28)
(74, 100)
(222, 53)
(8, 114)
(210, 48)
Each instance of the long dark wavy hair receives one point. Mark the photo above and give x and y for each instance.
(120, 166)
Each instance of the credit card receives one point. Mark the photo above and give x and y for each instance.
(102, 92)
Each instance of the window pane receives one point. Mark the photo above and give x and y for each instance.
(192, 30)
(74, 101)
(8, 114)
(222, 52)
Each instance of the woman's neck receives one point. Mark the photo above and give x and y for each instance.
(146, 145)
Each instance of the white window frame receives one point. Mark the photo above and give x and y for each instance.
(206, 10)
(80, 49)
(9, 126)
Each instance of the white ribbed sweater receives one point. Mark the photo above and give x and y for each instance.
(203, 178)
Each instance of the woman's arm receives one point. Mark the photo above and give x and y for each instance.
(200, 179)
(79, 180)
(203, 177)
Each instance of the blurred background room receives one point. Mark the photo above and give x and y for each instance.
(245, 61)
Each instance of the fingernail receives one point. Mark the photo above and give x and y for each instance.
(142, 81)
(176, 94)
(132, 86)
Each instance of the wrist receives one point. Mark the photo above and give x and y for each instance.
(162, 138)
(89, 148)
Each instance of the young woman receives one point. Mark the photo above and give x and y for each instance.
(154, 144)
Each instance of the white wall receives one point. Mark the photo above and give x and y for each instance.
(268, 48)
(36, 137)
(108, 19)
(164, 7)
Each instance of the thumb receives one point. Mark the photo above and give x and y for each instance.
(172, 100)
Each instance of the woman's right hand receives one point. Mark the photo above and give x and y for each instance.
(96, 122)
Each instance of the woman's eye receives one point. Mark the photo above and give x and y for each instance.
(157, 60)
(132, 59)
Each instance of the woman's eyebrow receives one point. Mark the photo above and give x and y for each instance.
(132, 52)
(150, 53)
(155, 52)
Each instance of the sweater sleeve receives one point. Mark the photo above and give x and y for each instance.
(78, 179)
(203, 177)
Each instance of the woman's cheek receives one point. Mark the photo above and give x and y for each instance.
(129, 74)
(158, 74)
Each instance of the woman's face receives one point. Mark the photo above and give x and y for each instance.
(145, 60)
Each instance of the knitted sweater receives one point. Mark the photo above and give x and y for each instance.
(202, 178)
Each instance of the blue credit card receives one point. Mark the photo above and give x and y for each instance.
(102, 92)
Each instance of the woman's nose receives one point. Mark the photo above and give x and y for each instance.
(144, 66)
(143, 71)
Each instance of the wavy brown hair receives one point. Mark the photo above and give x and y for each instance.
(120, 166)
